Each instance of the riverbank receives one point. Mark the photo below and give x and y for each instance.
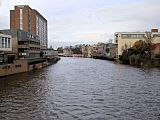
(154, 63)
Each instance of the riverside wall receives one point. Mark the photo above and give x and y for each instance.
(20, 66)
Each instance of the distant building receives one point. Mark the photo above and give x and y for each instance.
(99, 50)
(90, 51)
(125, 40)
(111, 50)
(60, 50)
(49, 53)
(29, 20)
(87, 51)
(67, 52)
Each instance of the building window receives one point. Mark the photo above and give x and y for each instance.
(21, 19)
(17, 66)
(124, 36)
(6, 40)
(29, 21)
(1, 58)
(37, 25)
(3, 42)
(136, 36)
(0, 42)
(9, 43)
(156, 35)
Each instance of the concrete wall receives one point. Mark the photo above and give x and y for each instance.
(37, 66)
(18, 66)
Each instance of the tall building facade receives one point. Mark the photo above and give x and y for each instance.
(29, 20)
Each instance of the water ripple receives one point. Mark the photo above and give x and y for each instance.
(81, 89)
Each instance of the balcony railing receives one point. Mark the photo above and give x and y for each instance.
(23, 46)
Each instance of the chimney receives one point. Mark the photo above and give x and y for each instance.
(154, 30)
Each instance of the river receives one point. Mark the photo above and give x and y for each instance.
(81, 89)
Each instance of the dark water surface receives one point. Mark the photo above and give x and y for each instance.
(81, 89)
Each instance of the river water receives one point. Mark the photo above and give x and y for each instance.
(81, 89)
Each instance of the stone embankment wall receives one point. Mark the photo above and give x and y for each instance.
(18, 66)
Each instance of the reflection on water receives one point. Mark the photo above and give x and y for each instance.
(81, 89)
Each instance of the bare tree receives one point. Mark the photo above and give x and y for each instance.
(110, 40)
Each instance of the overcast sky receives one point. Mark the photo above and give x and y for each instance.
(88, 21)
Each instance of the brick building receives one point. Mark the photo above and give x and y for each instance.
(29, 20)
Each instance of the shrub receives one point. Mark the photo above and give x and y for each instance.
(132, 59)
(125, 58)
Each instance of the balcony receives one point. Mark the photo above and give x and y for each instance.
(23, 46)
(34, 45)
(29, 51)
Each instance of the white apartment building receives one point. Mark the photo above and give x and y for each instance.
(126, 40)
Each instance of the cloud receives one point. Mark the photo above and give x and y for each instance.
(0, 2)
(84, 21)
(4, 24)
(100, 24)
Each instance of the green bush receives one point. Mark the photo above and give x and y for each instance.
(135, 59)
(138, 60)
(132, 59)
(125, 58)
